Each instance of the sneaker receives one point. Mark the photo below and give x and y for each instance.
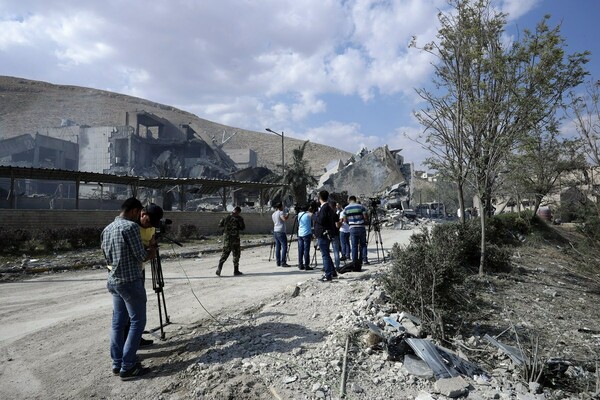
(285, 265)
(237, 273)
(325, 279)
(146, 342)
(335, 274)
(116, 371)
(134, 372)
(309, 268)
(366, 262)
(301, 267)
(218, 272)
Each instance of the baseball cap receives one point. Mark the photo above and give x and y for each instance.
(155, 213)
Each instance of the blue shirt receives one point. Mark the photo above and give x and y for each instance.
(304, 224)
(355, 214)
(124, 251)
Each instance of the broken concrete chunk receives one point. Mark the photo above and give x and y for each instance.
(411, 328)
(452, 387)
(424, 396)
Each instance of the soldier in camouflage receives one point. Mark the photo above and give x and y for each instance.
(232, 225)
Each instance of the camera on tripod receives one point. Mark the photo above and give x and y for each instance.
(374, 202)
(162, 228)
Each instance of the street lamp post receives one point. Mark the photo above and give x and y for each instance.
(282, 160)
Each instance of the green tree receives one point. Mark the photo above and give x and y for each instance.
(541, 159)
(296, 180)
(494, 92)
(298, 175)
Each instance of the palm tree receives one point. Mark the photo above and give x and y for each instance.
(297, 178)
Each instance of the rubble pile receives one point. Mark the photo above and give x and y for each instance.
(352, 340)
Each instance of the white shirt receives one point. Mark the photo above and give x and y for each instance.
(278, 222)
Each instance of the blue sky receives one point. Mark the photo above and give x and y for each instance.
(337, 72)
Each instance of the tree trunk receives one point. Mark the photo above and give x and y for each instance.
(461, 202)
(482, 217)
(536, 207)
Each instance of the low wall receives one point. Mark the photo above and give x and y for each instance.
(206, 222)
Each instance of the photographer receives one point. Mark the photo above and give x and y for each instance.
(356, 216)
(324, 221)
(124, 252)
(305, 236)
(279, 217)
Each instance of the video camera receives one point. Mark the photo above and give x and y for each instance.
(163, 226)
(374, 202)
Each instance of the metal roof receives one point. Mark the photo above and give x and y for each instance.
(208, 185)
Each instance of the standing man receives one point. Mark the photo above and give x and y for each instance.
(335, 237)
(232, 225)
(324, 227)
(279, 217)
(356, 216)
(304, 237)
(124, 252)
(344, 233)
(149, 220)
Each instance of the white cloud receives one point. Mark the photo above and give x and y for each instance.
(342, 136)
(517, 8)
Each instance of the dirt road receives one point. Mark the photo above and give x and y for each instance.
(54, 328)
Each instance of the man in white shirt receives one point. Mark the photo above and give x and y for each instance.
(279, 234)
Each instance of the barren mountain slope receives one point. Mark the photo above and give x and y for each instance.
(28, 106)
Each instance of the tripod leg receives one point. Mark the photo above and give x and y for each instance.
(162, 332)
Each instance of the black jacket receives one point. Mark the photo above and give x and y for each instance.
(324, 221)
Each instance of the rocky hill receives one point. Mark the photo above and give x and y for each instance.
(28, 106)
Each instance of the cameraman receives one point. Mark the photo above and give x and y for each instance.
(305, 236)
(279, 217)
(123, 249)
(356, 216)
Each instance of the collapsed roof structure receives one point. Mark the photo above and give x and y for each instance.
(377, 173)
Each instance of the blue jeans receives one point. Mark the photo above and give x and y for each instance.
(358, 236)
(129, 303)
(304, 251)
(335, 245)
(280, 247)
(327, 262)
(345, 243)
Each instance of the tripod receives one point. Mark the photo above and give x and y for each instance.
(292, 236)
(375, 225)
(158, 283)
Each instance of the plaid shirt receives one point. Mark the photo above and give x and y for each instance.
(124, 251)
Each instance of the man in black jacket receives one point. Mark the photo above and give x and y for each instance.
(324, 228)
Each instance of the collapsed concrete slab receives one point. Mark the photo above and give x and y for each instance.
(370, 175)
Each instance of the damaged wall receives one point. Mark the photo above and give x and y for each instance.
(368, 176)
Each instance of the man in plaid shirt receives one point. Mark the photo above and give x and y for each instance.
(124, 252)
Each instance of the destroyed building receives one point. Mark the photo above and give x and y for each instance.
(142, 144)
(377, 173)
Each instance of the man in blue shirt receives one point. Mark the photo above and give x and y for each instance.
(305, 236)
(124, 252)
(356, 216)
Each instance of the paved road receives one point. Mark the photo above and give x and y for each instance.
(54, 328)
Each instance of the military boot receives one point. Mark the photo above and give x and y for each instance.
(236, 270)
(219, 268)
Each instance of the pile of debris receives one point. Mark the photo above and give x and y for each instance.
(348, 340)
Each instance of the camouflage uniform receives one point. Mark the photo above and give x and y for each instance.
(232, 225)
